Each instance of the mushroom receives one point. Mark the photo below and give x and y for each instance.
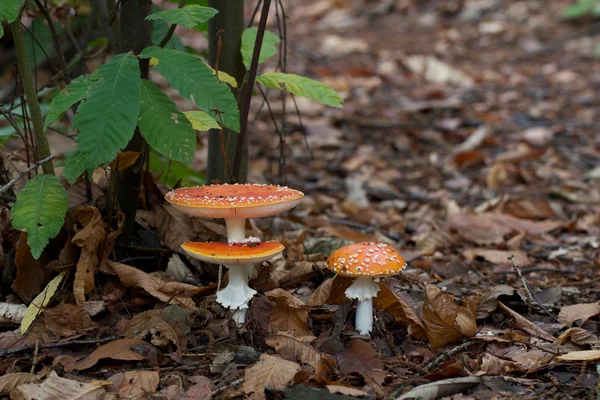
(366, 261)
(234, 203)
(238, 257)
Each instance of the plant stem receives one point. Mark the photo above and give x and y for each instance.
(43, 149)
(245, 106)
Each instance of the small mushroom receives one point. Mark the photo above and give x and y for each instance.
(239, 258)
(234, 203)
(365, 261)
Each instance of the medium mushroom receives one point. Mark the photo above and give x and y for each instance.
(234, 203)
(366, 261)
(238, 257)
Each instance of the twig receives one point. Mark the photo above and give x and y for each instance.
(10, 352)
(531, 297)
(245, 109)
(36, 353)
(171, 30)
(234, 383)
(25, 172)
(448, 354)
(56, 40)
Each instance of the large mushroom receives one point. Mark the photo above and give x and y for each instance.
(238, 257)
(234, 203)
(365, 261)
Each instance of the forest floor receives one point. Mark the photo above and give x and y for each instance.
(466, 137)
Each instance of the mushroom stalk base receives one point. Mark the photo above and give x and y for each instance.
(364, 316)
(236, 229)
(237, 294)
(363, 289)
(239, 316)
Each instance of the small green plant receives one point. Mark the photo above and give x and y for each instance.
(114, 100)
(582, 8)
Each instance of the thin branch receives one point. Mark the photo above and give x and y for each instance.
(171, 30)
(25, 172)
(10, 352)
(245, 109)
(56, 40)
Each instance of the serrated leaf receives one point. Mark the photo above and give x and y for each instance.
(267, 50)
(76, 91)
(174, 173)
(224, 77)
(160, 29)
(40, 210)
(75, 166)
(188, 16)
(201, 121)
(302, 86)
(165, 128)
(196, 82)
(40, 302)
(108, 117)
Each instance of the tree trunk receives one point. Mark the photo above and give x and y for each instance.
(229, 20)
(135, 36)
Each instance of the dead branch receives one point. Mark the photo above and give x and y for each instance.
(25, 172)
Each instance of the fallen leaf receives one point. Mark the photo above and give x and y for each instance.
(67, 320)
(530, 209)
(321, 294)
(10, 381)
(295, 348)
(164, 326)
(89, 238)
(290, 314)
(173, 292)
(578, 336)
(124, 160)
(585, 355)
(30, 275)
(269, 372)
(474, 140)
(345, 390)
(359, 357)
(569, 314)
(122, 349)
(437, 71)
(498, 256)
(401, 311)
(139, 383)
(38, 304)
(441, 389)
(523, 323)
(490, 300)
(444, 320)
(492, 365)
(55, 387)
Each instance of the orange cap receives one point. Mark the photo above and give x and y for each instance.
(366, 259)
(231, 201)
(232, 253)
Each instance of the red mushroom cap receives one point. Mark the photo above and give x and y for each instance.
(366, 259)
(231, 201)
(232, 253)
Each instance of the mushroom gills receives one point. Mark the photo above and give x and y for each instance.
(363, 289)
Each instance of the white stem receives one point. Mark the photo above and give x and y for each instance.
(237, 294)
(239, 316)
(236, 229)
(364, 316)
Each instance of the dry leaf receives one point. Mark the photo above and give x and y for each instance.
(67, 320)
(585, 355)
(40, 302)
(30, 275)
(139, 383)
(523, 323)
(164, 326)
(437, 71)
(55, 387)
(295, 348)
(359, 357)
(174, 292)
(498, 256)
(10, 381)
(290, 314)
(569, 314)
(490, 300)
(401, 311)
(578, 336)
(345, 390)
(321, 294)
(444, 320)
(124, 160)
(492, 365)
(89, 238)
(530, 209)
(269, 372)
(122, 349)
(441, 389)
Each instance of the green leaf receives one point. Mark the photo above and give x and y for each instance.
(302, 86)
(579, 9)
(195, 81)
(108, 117)
(40, 210)
(173, 172)
(165, 128)
(9, 10)
(268, 49)
(188, 16)
(201, 121)
(76, 91)
(224, 77)
(159, 31)
(75, 166)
